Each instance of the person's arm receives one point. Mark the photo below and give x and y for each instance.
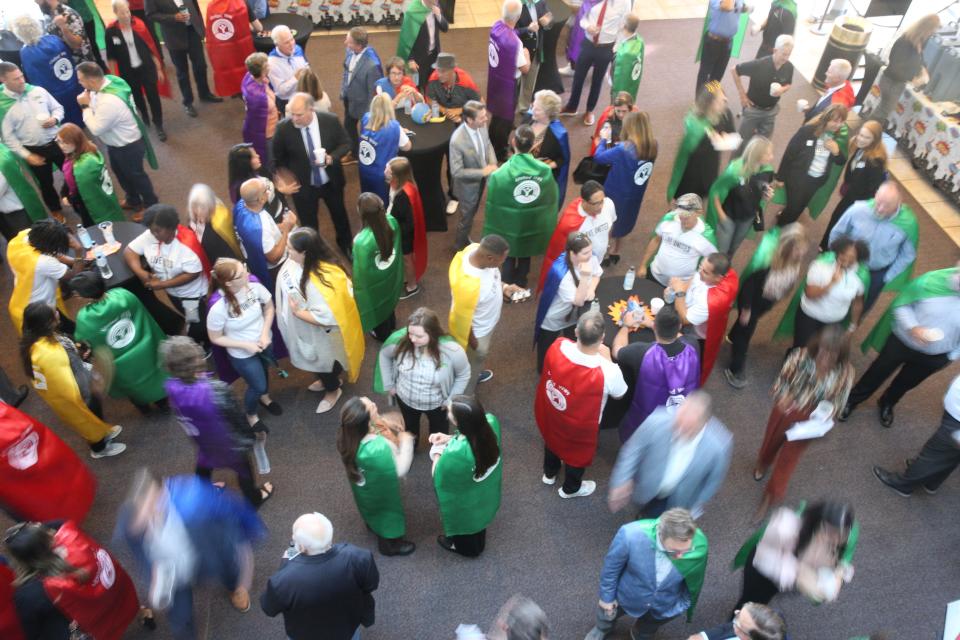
(155, 14)
(13, 142)
(102, 118)
(584, 287)
(820, 280)
(70, 37)
(613, 566)
(404, 454)
(652, 247)
(270, 601)
(286, 226)
(369, 575)
(132, 258)
(461, 370)
(905, 255)
(269, 312)
(54, 108)
(387, 373)
(735, 72)
(404, 142)
(218, 338)
(175, 281)
(715, 476)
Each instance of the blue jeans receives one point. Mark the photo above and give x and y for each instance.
(254, 371)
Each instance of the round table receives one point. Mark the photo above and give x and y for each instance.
(428, 148)
(301, 26)
(124, 232)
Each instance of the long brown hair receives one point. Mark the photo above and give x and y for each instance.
(876, 152)
(637, 131)
(918, 33)
(354, 426)
(429, 321)
(833, 112)
(472, 425)
(402, 171)
(30, 546)
(225, 270)
(315, 250)
(373, 215)
(74, 135)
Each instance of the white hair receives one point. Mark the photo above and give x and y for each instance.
(279, 30)
(201, 195)
(783, 40)
(27, 30)
(511, 10)
(842, 65)
(313, 533)
(119, 3)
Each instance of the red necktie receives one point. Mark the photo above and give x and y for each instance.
(603, 11)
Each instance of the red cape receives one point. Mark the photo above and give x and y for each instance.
(103, 605)
(41, 478)
(600, 121)
(229, 42)
(719, 300)
(187, 237)
(10, 628)
(419, 230)
(570, 220)
(567, 407)
(464, 79)
(163, 82)
(844, 95)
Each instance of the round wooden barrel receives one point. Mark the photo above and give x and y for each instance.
(848, 40)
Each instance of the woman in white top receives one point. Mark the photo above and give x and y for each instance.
(422, 367)
(833, 291)
(571, 283)
(240, 323)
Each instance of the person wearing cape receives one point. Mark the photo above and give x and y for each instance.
(377, 267)
(260, 106)
(229, 40)
(48, 62)
(123, 335)
(212, 223)
(621, 104)
(381, 140)
(507, 60)
(38, 259)
(576, 380)
(86, 182)
(41, 478)
(419, 41)
(630, 582)
(918, 335)
(10, 626)
(21, 193)
(521, 207)
(264, 241)
(697, 163)
(406, 206)
(724, 28)
(837, 90)
(678, 242)
(575, 36)
(781, 19)
(627, 69)
(467, 476)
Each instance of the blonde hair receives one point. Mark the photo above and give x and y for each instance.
(790, 236)
(637, 131)
(27, 30)
(549, 101)
(225, 270)
(753, 154)
(918, 33)
(381, 112)
(256, 64)
(676, 524)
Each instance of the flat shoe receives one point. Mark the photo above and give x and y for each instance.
(273, 408)
(329, 403)
(317, 387)
(266, 494)
(758, 475)
(240, 599)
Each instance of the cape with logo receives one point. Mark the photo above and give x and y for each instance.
(229, 42)
(628, 67)
(377, 281)
(96, 188)
(522, 201)
(467, 505)
(502, 67)
(661, 381)
(625, 188)
(49, 64)
(377, 148)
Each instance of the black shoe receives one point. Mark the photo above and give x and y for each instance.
(886, 415)
(211, 98)
(889, 479)
(161, 134)
(845, 413)
(396, 547)
(189, 110)
(611, 259)
(930, 491)
(446, 543)
(22, 392)
(273, 408)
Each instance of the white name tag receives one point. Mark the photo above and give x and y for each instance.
(809, 143)
(860, 165)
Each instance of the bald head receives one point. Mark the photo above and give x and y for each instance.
(253, 192)
(300, 109)
(312, 534)
(888, 199)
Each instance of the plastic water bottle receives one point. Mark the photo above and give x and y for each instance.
(260, 454)
(669, 295)
(416, 78)
(84, 237)
(407, 106)
(595, 305)
(435, 109)
(102, 264)
(629, 278)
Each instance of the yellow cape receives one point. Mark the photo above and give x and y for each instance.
(465, 292)
(339, 295)
(222, 223)
(23, 261)
(54, 381)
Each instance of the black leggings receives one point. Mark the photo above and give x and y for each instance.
(804, 328)
(740, 335)
(756, 586)
(436, 418)
(470, 545)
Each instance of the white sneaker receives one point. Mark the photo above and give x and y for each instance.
(112, 449)
(586, 488)
(114, 432)
(566, 71)
(550, 481)
(452, 207)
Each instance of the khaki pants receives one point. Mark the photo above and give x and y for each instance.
(476, 357)
(527, 84)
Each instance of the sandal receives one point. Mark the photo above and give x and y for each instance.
(265, 493)
(758, 475)
(329, 402)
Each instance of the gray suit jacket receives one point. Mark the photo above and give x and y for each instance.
(362, 87)
(643, 459)
(466, 165)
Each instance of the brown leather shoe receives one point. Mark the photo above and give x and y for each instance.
(137, 215)
(240, 599)
(127, 206)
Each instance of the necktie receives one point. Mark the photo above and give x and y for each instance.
(318, 177)
(603, 11)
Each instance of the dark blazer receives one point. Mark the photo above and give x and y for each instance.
(121, 54)
(799, 154)
(175, 34)
(362, 87)
(290, 152)
(530, 40)
(862, 182)
(326, 596)
(421, 53)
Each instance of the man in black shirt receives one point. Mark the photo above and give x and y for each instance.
(451, 87)
(770, 78)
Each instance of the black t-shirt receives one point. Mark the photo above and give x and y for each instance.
(762, 74)
(905, 61)
(779, 22)
(743, 201)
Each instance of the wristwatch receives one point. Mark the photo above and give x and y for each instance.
(680, 294)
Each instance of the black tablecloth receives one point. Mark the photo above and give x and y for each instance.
(300, 25)
(428, 147)
(124, 232)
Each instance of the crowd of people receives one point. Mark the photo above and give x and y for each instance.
(223, 292)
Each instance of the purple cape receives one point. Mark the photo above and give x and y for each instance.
(502, 69)
(661, 381)
(577, 33)
(196, 409)
(255, 121)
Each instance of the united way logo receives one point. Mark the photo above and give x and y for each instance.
(222, 29)
(526, 192)
(106, 571)
(556, 397)
(23, 454)
(121, 334)
(643, 174)
(106, 183)
(39, 381)
(367, 153)
(637, 70)
(63, 69)
(493, 56)
(382, 264)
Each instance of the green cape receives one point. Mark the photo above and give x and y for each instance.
(394, 338)
(737, 43)
(96, 188)
(708, 232)
(789, 5)
(694, 129)
(522, 205)
(21, 179)
(467, 506)
(907, 222)
(822, 196)
(413, 18)
(119, 323)
(628, 67)
(118, 87)
(6, 101)
(692, 566)
(763, 255)
(785, 328)
(87, 10)
(932, 284)
(724, 184)
(378, 497)
(377, 286)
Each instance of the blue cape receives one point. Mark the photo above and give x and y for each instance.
(377, 148)
(250, 231)
(557, 271)
(561, 135)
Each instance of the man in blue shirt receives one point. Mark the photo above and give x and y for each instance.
(723, 22)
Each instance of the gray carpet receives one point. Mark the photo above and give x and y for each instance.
(547, 548)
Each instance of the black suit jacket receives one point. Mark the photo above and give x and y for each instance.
(175, 34)
(324, 597)
(799, 154)
(117, 50)
(421, 53)
(290, 152)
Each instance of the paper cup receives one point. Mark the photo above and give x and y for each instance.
(42, 117)
(823, 411)
(775, 88)
(933, 335)
(802, 105)
(655, 305)
(320, 156)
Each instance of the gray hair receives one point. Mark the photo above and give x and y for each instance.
(769, 625)
(119, 3)
(313, 533)
(590, 328)
(525, 620)
(181, 357)
(305, 98)
(201, 195)
(511, 10)
(549, 101)
(844, 65)
(783, 40)
(28, 30)
(689, 203)
(278, 31)
(676, 524)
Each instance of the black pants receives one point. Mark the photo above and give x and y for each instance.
(804, 328)
(151, 27)
(915, 367)
(95, 404)
(184, 60)
(592, 56)
(713, 61)
(436, 418)
(545, 340)
(127, 164)
(936, 460)
(196, 330)
(90, 29)
(350, 124)
(78, 206)
(54, 156)
(331, 379)
(499, 130)
(308, 199)
(383, 330)
(470, 545)
(572, 476)
(245, 477)
(740, 335)
(13, 223)
(756, 586)
(799, 194)
(515, 271)
(140, 84)
(838, 212)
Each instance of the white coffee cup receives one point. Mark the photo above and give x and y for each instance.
(933, 334)
(42, 117)
(320, 156)
(775, 89)
(802, 105)
(655, 305)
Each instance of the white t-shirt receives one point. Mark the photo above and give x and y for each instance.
(680, 251)
(613, 383)
(170, 260)
(270, 236)
(521, 59)
(598, 227)
(833, 305)
(46, 279)
(560, 314)
(247, 325)
(697, 308)
(490, 303)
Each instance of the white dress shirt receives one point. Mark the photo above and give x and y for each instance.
(283, 73)
(110, 119)
(130, 40)
(9, 201)
(313, 130)
(617, 10)
(678, 461)
(21, 128)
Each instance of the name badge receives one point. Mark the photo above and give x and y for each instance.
(809, 143)
(116, 41)
(860, 165)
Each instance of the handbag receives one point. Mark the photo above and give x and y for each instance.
(587, 169)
